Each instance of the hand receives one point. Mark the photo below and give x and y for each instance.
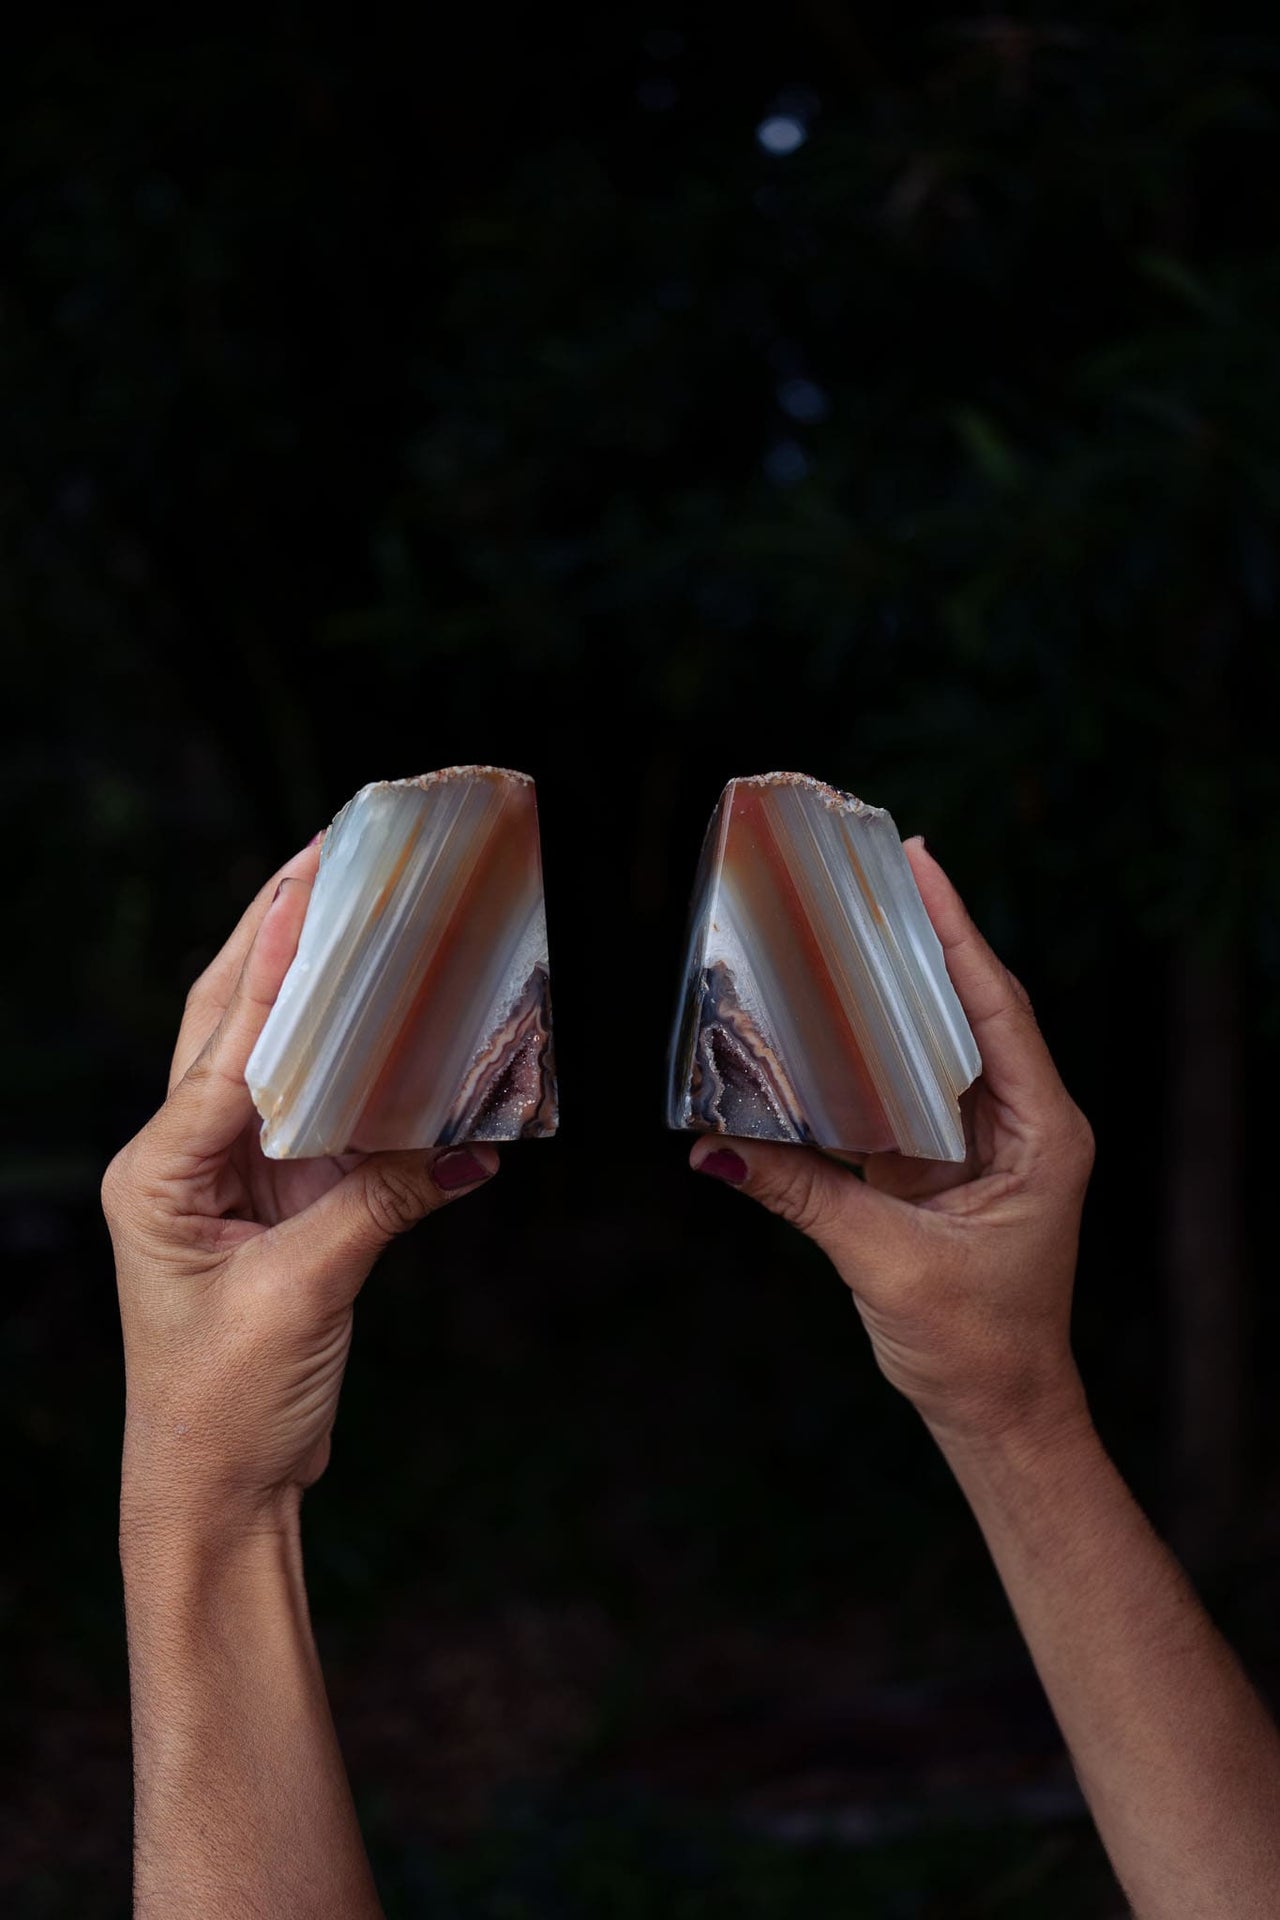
(237, 1273)
(962, 1273)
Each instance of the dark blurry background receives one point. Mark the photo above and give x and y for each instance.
(639, 398)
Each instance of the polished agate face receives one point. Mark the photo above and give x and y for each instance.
(816, 1006)
(417, 1011)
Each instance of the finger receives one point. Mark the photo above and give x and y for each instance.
(850, 1221)
(1016, 1064)
(341, 1234)
(211, 1104)
(207, 1000)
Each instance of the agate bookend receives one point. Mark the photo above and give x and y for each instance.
(417, 1010)
(816, 1005)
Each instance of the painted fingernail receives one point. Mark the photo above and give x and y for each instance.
(458, 1168)
(724, 1164)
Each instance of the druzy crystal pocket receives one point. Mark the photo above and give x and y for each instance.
(817, 1005)
(417, 1010)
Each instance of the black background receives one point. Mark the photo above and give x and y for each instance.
(410, 391)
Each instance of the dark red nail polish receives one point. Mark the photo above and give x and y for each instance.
(458, 1168)
(724, 1164)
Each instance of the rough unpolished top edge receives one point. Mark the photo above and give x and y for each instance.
(424, 782)
(451, 773)
(829, 796)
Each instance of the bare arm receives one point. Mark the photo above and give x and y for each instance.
(237, 1279)
(963, 1277)
(1177, 1757)
(242, 1803)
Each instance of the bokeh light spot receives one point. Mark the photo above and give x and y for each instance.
(781, 133)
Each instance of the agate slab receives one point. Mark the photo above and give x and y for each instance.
(417, 1009)
(816, 1005)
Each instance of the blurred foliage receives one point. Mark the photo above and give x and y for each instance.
(426, 391)
(634, 1863)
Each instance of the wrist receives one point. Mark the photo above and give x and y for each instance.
(181, 1563)
(1017, 1429)
(173, 1496)
(212, 1596)
(1029, 1477)
(183, 1533)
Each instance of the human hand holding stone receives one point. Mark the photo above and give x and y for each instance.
(237, 1276)
(962, 1273)
(237, 1273)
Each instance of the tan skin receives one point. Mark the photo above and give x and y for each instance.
(204, 1223)
(237, 1282)
(962, 1272)
(237, 1278)
(963, 1278)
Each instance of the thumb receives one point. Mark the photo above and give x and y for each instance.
(343, 1232)
(850, 1221)
(211, 1105)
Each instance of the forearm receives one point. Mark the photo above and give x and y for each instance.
(1176, 1754)
(242, 1803)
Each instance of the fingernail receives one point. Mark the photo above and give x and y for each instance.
(458, 1168)
(724, 1164)
(316, 838)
